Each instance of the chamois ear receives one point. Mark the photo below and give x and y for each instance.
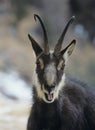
(68, 50)
(37, 49)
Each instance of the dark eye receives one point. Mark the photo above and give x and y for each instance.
(60, 65)
(53, 86)
(40, 63)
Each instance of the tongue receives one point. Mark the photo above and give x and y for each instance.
(50, 96)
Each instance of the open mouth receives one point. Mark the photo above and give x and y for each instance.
(49, 97)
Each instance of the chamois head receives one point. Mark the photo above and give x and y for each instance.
(50, 64)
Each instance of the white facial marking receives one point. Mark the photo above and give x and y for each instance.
(60, 86)
(37, 84)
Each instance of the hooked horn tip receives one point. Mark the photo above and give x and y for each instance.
(36, 16)
(29, 36)
(74, 41)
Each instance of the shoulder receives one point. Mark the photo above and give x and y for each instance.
(74, 84)
(78, 91)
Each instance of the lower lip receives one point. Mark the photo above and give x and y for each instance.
(49, 97)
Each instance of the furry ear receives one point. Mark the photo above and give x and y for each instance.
(68, 50)
(37, 49)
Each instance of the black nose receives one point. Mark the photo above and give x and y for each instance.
(49, 88)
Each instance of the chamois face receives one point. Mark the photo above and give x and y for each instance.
(49, 72)
(49, 69)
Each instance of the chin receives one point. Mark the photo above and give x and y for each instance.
(46, 101)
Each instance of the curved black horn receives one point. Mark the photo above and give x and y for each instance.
(46, 46)
(59, 44)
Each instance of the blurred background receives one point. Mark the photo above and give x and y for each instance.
(16, 54)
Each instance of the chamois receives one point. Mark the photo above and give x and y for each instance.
(59, 102)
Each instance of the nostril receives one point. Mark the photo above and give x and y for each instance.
(49, 88)
(52, 86)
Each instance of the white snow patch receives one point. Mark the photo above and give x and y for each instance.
(11, 84)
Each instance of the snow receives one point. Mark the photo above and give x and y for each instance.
(14, 112)
(12, 85)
